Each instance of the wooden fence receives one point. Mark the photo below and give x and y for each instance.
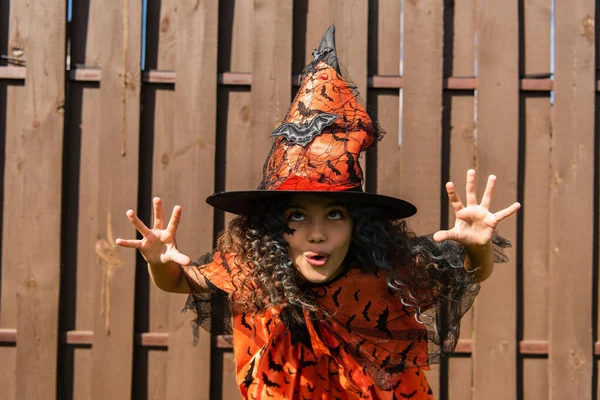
(87, 134)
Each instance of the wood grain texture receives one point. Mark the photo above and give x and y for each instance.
(572, 189)
(497, 148)
(233, 127)
(420, 175)
(385, 33)
(537, 131)
(84, 122)
(38, 151)
(190, 154)
(235, 104)
(116, 38)
(161, 53)
(85, 131)
(421, 142)
(271, 83)
(13, 100)
(458, 124)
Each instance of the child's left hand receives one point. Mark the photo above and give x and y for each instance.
(475, 224)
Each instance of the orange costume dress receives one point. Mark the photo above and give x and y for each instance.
(367, 344)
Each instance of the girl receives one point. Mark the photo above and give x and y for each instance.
(332, 295)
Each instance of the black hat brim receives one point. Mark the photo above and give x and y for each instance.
(244, 202)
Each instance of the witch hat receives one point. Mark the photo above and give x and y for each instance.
(318, 145)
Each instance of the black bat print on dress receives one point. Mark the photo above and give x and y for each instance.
(382, 322)
(365, 311)
(268, 382)
(273, 365)
(335, 296)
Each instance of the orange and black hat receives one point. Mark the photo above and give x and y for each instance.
(318, 145)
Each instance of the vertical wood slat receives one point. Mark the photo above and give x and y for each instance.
(386, 31)
(163, 28)
(460, 61)
(271, 80)
(571, 202)
(494, 354)
(350, 18)
(242, 143)
(87, 120)
(537, 130)
(118, 39)
(15, 102)
(420, 172)
(234, 126)
(193, 162)
(85, 124)
(39, 149)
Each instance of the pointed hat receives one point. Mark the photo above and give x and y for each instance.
(318, 145)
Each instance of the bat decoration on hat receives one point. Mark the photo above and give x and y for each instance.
(304, 133)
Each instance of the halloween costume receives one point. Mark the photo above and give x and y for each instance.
(367, 341)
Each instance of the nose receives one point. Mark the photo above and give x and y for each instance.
(316, 233)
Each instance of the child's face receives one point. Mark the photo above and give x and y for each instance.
(321, 238)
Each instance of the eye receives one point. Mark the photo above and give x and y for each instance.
(335, 214)
(296, 216)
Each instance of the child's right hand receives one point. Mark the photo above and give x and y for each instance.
(158, 245)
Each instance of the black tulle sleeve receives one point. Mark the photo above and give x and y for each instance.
(441, 289)
(211, 307)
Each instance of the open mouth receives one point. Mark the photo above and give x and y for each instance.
(317, 259)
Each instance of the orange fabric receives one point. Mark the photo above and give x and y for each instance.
(359, 351)
(331, 158)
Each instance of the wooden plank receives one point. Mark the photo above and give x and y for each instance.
(15, 28)
(459, 378)
(537, 347)
(114, 46)
(11, 72)
(248, 118)
(161, 35)
(12, 103)
(235, 104)
(162, 49)
(420, 173)
(187, 154)
(572, 183)
(161, 339)
(385, 34)
(38, 152)
(233, 129)
(229, 389)
(421, 141)
(497, 147)
(458, 118)
(350, 18)
(245, 79)
(85, 130)
(270, 93)
(537, 131)
(494, 356)
(461, 158)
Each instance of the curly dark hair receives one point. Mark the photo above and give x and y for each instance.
(422, 272)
